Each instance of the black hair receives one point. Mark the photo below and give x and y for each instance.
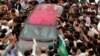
(2, 35)
(67, 25)
(74, 49)
(95, 36)
(85, 12)
(89, 45)
(84, 21)
(98, 49)
(91, 52)
(1, 15)
(4, 31)
(79, 45)
(35, 3)
(71, 44)
(84, 7)
(54, 1)
(76, 35)
(93, 13)
(50, 53)
(27, 53)
(43, 51)
(30, 2)
(87, 28)
(13, 10)
(83, 49)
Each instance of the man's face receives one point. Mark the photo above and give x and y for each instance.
(84, 15)
(69, 33)
(18, 2)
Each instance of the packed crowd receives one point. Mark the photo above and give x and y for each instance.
(13, 13)
(78, 25)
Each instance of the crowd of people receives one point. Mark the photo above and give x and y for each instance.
(78, 25)
(13, 14)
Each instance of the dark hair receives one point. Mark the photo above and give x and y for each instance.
(95, 36)
(91, 52)
(2, 35)
(50, 53)
(83, 49)
(71, 44)
(27, 53)
(89, 45)
(98, 49)
(13, 10)
(54, 1)
(36, 2)
(4, 31)
(84, 7)
(84, 21)
(30, 2)
(79, 45)
(74, 49)
(93, 13)
(76, 35)
(85, 12)
(87, 28)
(43, 51)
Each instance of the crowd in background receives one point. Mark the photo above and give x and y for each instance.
(78, 25)
(13, 14)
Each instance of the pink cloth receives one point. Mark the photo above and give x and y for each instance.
(44, 14)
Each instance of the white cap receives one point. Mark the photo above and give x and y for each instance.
(79, 41)
(93, 3)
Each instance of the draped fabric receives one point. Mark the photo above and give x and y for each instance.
(41, 23)
(39, 32)
(61, 50)
(43, 15)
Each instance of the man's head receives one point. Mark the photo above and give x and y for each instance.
(74, 50)
(83, 49)
(43, 50)
(85, 14)
(27, 53)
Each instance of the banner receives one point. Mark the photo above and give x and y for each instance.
(41, 23)
(62, 51)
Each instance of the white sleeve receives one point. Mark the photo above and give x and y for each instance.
(19, 53)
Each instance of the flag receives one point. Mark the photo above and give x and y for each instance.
(41, 23)
(61, 50)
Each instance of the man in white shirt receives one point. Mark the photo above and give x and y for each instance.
(83, 51)
(85, 17)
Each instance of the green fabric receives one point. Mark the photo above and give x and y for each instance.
(1, 1)
(62, 51)
(5, 45)
(50, 46)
